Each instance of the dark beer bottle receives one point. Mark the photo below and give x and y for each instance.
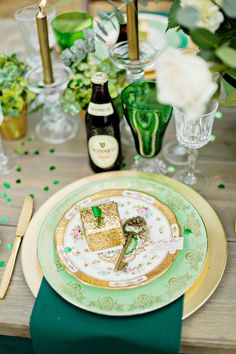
(102, 123)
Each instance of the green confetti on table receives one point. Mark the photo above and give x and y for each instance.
(55, 182)
(52, 168)
(170, 169)
(212, 138)
(221, 186)
(187, 232)
(36, 152)
(26, 152)
(137, 157)
(8, 200)
(21, 143)
(2, 264)
(17, 152)
(218, 115)
(7, 185)
(31, 195)
(46, 189)
(52, 150)
(10, 246)
(4, 219)
(19, 169)
(31, 138)
(3, 195)
(123, 165)
(18, 181)
(67, 249)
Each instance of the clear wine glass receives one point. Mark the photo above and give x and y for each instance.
(193, 135)
(7, 162)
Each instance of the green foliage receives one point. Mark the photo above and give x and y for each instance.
(204, 38)
(78, 92)
(14, 91)
(227, 55)
(172, 19)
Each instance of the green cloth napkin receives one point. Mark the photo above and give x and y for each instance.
(16, 345)
(58, 327)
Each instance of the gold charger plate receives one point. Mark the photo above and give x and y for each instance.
(97, 269)
(215, 263)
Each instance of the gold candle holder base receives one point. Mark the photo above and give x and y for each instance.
(13, 128)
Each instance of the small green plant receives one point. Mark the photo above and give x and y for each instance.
(78, 92)
(14, 92)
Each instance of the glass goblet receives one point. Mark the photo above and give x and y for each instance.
(8, 162)
(194, 134)
(148, 120)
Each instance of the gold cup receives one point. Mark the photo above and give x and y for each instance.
(13, 128)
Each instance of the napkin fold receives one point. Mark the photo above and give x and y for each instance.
(58, 327)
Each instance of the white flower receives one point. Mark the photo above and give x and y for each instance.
(184, 81)
(210, 16)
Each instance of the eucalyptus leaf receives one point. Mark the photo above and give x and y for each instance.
(172, 21)
(229, 7)
(207, 55)
(227, 55)
(119, 15)
(187, 16)
(204, 38)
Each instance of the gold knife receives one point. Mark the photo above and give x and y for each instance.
(22, 225)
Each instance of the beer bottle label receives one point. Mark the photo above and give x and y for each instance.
(104, 109)
(103, 150)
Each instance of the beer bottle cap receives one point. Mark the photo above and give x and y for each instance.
(99, 78)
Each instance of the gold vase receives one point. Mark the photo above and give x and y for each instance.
(13, 128)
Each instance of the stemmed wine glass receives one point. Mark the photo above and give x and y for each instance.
(148, 120)
(7, 162)
(194, 134)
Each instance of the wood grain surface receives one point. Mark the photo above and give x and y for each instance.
(212, 329)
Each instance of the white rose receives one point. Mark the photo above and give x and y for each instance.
(184, 81)
(210, 16)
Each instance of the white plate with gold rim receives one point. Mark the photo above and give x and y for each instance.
(145, 262)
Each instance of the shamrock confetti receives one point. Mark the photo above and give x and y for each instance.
(18, 181)
(8, 200)
(187, 232)
(170, 169)
(221, 186)
(31, 138)
(36, 152)
(67, 249)
(137, 157)
(21, 143)
(2, 264)
(17, 152)
(52, 168)
(46, 189)
(212, 138)
(52, 150)
(4, 219)
(7, 185)
(31, 195)
(19, 169)
(9, 245)
(3, 195)
(123, 165)
(56, 182)
(26, 152)
(218, 115)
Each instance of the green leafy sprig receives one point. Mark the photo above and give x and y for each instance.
(14, 92)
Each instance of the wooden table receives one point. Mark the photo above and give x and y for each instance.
(212, 329)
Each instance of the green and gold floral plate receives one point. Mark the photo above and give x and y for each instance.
(145, 258)
(154, 295)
